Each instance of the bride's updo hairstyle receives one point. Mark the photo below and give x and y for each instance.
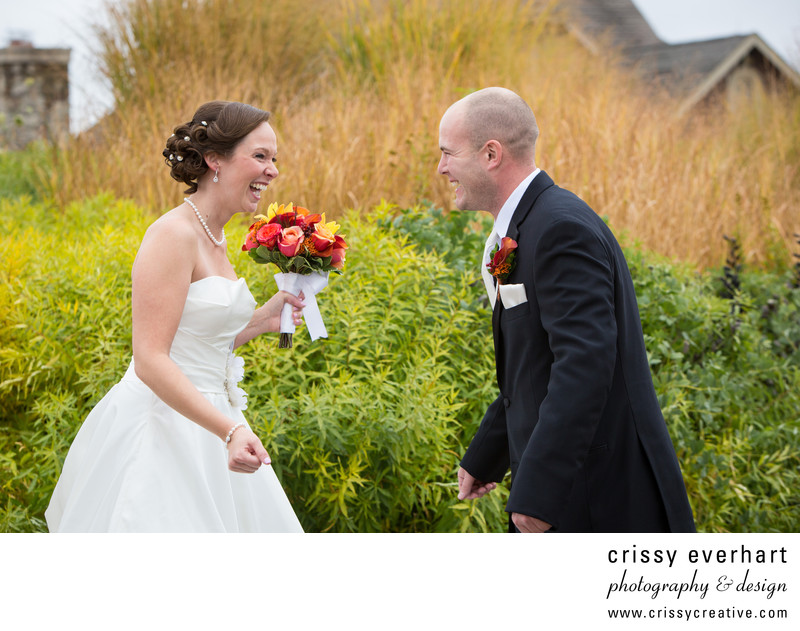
(216, 127)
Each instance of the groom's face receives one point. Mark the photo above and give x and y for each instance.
(460, 163)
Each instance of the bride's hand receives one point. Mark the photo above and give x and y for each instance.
(246, 454)
(270, 311)
(268, 316)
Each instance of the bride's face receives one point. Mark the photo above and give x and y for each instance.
(248, 172)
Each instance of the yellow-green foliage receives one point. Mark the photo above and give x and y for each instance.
(65, 335)
(366, 428)
(368, 425)
(357, 89)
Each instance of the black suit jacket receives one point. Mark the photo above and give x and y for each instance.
(577, 418)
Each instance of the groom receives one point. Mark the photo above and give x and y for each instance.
(577, 419)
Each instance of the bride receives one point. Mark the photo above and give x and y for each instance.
(168, 448)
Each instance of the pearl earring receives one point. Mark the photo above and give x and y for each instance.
(216, 176)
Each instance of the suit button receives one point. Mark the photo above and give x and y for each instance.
(506, 401)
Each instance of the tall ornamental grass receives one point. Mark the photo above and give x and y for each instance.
(357, 89)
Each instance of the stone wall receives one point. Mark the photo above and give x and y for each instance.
(34, 94)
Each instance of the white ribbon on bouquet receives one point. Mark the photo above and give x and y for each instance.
(310, 285)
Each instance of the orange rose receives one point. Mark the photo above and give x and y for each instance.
(291, 240)
(268, 235)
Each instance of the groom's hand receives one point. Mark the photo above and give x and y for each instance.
(526, 523)
(469, 488)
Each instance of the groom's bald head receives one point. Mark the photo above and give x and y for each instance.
(502, 115)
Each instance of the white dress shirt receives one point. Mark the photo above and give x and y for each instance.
(507, 211)
(499, 231)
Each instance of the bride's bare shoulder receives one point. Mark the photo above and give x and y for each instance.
(174, 226)
(170, 242)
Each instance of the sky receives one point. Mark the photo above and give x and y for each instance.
(67, 24)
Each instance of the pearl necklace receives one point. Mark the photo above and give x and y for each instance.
(205, 225)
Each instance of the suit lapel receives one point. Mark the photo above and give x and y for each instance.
(540, 184)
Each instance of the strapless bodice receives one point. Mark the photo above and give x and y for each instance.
(217, 309)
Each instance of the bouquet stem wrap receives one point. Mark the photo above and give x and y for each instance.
(310, 285)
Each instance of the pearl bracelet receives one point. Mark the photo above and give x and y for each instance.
(230, 433)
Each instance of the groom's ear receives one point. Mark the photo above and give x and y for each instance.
(493, 154)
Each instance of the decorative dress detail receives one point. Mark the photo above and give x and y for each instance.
(137, 465)
(234, 373)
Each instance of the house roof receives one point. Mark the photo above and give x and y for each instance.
(694, 68)
(684, 60)
(618, 19)
(697, 67)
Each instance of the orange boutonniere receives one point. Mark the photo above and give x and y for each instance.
(503, 260)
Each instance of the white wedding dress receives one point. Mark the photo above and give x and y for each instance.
(136, 465)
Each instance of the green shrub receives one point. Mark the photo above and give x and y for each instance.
(65, 339)
(20, 171)
(727, 372)
(366, 427)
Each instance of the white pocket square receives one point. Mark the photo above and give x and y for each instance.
(512, 295)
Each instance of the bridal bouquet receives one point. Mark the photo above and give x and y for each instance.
(304, 248)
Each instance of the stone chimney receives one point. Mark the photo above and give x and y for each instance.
(34, 94)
